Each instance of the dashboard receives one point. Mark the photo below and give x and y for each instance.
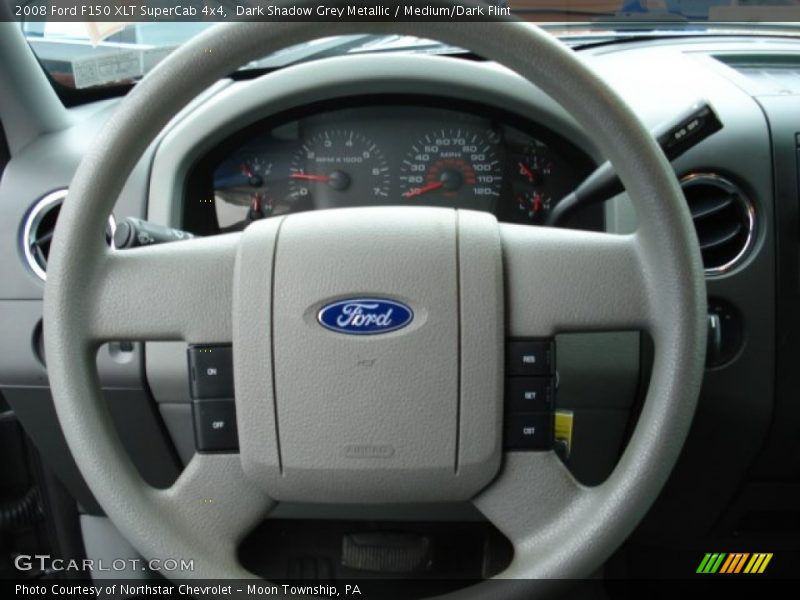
(383, 151)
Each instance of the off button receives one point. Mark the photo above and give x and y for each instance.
(215, 425)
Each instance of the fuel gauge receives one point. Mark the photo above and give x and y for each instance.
(533, 166)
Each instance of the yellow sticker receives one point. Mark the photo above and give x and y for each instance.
(563, 431)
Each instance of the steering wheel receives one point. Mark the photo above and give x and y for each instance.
(424, 423)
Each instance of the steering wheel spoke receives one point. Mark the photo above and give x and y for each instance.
(561, 280)
(533, 502)
(214, 491)
(181, 290)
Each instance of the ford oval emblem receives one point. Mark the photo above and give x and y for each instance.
(365, 316)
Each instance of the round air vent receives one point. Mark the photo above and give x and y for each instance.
(724, 219)
(38, 230)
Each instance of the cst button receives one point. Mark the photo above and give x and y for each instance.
(529, 431)
(529, 358)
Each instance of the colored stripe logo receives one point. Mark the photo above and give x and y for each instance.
(733, 563)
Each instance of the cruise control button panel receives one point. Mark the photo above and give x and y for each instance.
(215, 425)
(213, 406)
(211, 371)
(530, 394)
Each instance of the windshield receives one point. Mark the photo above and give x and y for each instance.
(83, 49)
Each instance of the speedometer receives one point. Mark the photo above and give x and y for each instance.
(453, 167)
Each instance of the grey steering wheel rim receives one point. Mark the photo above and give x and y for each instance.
(82, 309)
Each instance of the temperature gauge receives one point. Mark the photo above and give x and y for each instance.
(533, 205)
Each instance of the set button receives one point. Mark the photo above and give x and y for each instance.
(529, 394)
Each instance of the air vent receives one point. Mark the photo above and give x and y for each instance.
(39, 227)
(723, 218)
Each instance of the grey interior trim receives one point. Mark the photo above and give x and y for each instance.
(559, 528)
(178, 421)
(102, 540)
(29, 106)
(167, 371)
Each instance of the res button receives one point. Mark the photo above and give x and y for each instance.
(531, 358)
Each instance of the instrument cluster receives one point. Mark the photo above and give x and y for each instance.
(384, 154)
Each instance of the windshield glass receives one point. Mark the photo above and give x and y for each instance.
(83, 49)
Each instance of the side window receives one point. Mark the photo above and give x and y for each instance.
(5, 154)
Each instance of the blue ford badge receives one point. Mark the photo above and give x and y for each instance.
(365, 316)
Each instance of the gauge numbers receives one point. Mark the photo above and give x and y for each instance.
(450, 167)
(339, 167)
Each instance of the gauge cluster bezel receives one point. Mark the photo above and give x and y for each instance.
(199, 215)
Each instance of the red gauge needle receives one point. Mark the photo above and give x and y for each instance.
(525, 170)
(247, 171)
(310, 177)
(424, 189)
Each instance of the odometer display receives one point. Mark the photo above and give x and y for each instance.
(453, 167)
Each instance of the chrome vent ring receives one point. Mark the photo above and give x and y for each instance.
(724, 219)
(37, 231)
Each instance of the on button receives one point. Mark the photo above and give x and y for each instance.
(211, 371)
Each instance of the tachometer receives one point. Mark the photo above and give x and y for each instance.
(339, 168)
(453, 167)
